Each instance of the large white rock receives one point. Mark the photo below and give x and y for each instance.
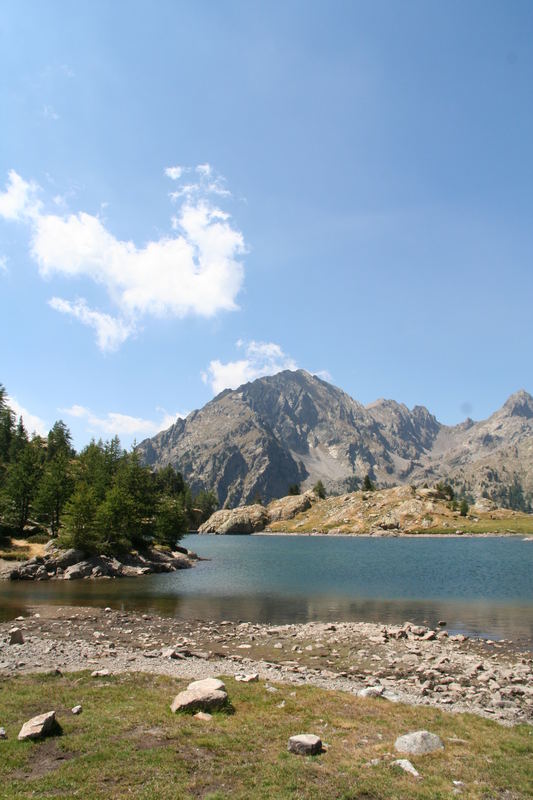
(40, 726)
(204, 695)
(305, 744)
(418, 743)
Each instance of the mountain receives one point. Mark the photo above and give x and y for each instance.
(293, 427)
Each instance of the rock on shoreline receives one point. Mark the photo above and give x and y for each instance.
(57, 564)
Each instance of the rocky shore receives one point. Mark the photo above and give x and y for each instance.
(408, 663)
(68, 565)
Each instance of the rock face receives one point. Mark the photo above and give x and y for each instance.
(305, 744)
(38, 727)
(288, 507)
(248, 519)
(295, 428)
(418, 743)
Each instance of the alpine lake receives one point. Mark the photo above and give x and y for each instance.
(481, 586)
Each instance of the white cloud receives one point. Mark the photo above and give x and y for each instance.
(111, 332)
(195, 271)
(324, 374)
(18, 201)
(261, 358)
(174, 173)
(3, 265)
(114, 423)
(32, 422)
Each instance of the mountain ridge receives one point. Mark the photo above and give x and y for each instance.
(293, 427)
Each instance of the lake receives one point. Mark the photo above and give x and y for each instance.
(480, 586)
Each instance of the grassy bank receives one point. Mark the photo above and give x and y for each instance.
(126, 743)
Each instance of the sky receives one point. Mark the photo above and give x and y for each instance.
(194, 194)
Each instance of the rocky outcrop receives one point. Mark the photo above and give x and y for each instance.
(294, 427)
(246, 519)
(68, 565)
(390, 512)
(255, 518)
(288, 507)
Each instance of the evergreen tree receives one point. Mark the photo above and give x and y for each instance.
(368, 486)
(463, 507)
(294, 489)
(206, 503)
(54, 490)
(59, 441)
(170, 482)
(171, 521)
(320, 490)
(21, 484)
(79, 529)
(113, 522)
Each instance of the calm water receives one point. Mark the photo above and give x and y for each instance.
(480, 586)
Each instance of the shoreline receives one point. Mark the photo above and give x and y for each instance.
(384, 535)
(410, 664)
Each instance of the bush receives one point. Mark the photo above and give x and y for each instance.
(463, 508)
(320, 490)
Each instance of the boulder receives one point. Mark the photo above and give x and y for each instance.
(245, 519)
(305, 744)
(38, 727)
(253, 677)
(15, 636)
(100, 673)
(418, 743)
(204, 695)
(76, 710)
(3, 734)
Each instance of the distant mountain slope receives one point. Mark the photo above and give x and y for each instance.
(293, 427)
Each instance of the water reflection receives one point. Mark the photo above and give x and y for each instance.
(484, 590)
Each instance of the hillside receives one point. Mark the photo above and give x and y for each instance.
(394, 511)
(253, 442)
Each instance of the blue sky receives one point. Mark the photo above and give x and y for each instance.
(193, 194)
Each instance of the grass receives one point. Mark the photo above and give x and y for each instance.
(126, 744)
(22, 549)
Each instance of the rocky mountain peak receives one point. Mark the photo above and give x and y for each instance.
(294, 427)
(519, 404)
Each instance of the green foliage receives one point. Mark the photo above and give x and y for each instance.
(206, 503)
(368, 486)
(463, 507)
(21, 483)
(171, 521)
(54, 490)
(100, 501)
(445, 491)
(320, 490)
(294, 489)
(79, 529)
